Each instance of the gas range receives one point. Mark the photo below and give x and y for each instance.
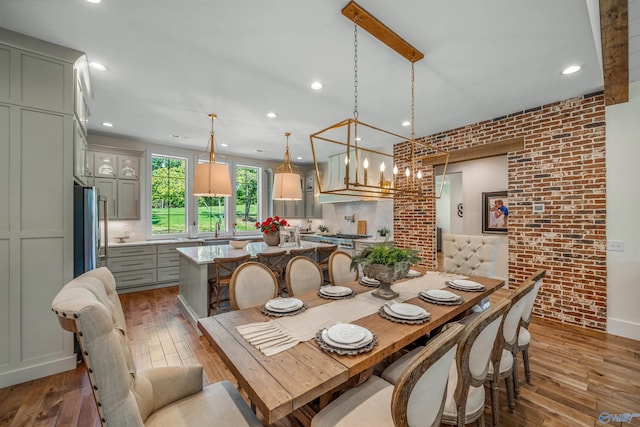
(343, 241)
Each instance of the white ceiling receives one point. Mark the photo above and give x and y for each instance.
(173, 62)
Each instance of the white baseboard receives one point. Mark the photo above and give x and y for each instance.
(623, 328)
(191, 315)
(29, 373)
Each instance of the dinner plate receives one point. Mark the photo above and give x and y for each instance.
(462, 283)
(335, 291)
(413, 273)
(441, 295)
(346, 333)
(284, 305)
(365, 341)
(370, 280)
(405, 311)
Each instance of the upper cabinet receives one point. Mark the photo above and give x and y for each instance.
(82, 88)
(105, 165)
(128, 167)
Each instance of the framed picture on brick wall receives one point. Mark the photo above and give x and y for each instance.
(495, 212)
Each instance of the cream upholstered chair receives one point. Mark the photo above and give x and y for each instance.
(504, 350)
(465, 392)
(524, 337)
(252, 284)
(416, 399)
(340, 272)
(303, 275)
(171, 396)
(470, 255)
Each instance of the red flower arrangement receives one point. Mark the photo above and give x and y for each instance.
(271, 225)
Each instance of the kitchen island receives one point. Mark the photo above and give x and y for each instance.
(193, 298)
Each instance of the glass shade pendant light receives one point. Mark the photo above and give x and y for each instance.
(212, 179)
(286, 183)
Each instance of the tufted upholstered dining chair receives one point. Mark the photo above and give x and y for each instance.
(340, 273)
(465, 392)
(171, 396)
(303, 275)
(524, 337)
(417, 399)
(503, 359)
(252, 284)
(470, 255)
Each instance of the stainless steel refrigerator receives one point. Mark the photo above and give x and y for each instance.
(86, 232)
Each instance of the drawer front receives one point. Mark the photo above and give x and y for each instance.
(168, 260)
(168, 274)
(131, 263)
(135, 278)
(171, 248)
(131, 250)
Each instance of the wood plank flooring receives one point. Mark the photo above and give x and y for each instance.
(576, 374)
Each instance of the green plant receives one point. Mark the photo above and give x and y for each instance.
(323, 228)
(384, 232)
(401, 259)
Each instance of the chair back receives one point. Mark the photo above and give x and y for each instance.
(513, 317)
(475, 351)
(531, 297)
(323, 253)
(252, 284)
(470, 255)
(419, 394)
(303, 276)
(308, 252)
(340, 273)
(274, 260)
(89, 306)
(224, 267)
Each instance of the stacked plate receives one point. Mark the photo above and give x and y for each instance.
(413, 273)
(352, 339)
(404, 313)
(284, 306)
(465, 285)
(335, 292)
(367, 281)
(440, 296)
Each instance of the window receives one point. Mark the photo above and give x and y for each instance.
(168, 184)
(247, 197)
(211, 210)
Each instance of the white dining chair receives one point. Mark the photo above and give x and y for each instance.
(470, 255)
(303, 275)
(465, 392)
(252, 284)
(502, 366)
(524, 337)
(125, 396)
(417, 399)
(340, 273)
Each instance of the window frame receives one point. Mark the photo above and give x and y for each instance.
(187, 189)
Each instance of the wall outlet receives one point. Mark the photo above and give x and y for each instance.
(615, 245)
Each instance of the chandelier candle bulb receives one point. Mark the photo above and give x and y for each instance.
(382, 167)
(365, 165)
(419, 174)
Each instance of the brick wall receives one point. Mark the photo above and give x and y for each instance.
(562, 166)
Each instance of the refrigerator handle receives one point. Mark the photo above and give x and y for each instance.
(105, 216)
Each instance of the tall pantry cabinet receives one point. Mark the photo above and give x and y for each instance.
(36, 213)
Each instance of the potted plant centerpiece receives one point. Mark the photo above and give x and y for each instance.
(271, 229)
(385, 264)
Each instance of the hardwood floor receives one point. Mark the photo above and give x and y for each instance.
(576, 374)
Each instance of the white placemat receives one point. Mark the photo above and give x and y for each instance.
(273, 336)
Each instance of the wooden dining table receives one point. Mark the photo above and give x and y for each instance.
(285, 382)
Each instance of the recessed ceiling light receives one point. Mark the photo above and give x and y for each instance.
(97, 66)
(406, 123)
(107, 124)
(224, 145)
(272, 115)
(358, 139)
(316, 85)
(298, 158)
(571, 69)
(94, 1)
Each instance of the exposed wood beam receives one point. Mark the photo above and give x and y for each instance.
(490, 149)
(614, 28)
(380, 31)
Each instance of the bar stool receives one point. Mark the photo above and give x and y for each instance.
(276, 262)
(220, 275)
(308, 252)
(323, 253)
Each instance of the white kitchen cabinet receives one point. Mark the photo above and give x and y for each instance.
(105, 165)
(107, 188)
(80, 155)
(133, 266)
(128, 199)
(312, 206)
(128, 167)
